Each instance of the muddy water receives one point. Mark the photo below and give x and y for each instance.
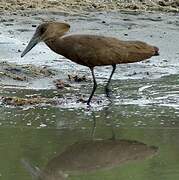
(41, 134)
(144, 112)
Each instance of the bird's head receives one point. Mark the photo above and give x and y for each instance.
(46, 32)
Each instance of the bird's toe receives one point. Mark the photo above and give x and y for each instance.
(108, 92)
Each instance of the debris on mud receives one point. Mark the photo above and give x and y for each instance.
(23, 72)
(18, 101)
(81, 99)
(60, 84)
(77, 78)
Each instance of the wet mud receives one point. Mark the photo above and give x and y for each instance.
(48, 70)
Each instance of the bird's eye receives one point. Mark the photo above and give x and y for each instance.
(42, 30)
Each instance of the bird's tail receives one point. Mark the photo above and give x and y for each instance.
(156, 49)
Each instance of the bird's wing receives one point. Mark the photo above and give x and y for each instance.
(93, 50)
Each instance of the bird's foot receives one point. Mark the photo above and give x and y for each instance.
(81, 100)
(88, 103)
(108, 93)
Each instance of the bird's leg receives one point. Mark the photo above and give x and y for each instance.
(108, 83)
(94, 86)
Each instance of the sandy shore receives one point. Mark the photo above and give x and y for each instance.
(89, 5)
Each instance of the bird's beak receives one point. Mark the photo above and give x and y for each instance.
(35, 40)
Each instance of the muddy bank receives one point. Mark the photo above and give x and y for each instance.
(151, 82)
(157, 29)
(71, 6)
(21, 76)
(23, 72)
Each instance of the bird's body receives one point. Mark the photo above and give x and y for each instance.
(93, 50)
(90, 50)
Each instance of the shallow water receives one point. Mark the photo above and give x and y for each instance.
(40, 134)
(145, 105)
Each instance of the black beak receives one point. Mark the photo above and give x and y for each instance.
(35, 40)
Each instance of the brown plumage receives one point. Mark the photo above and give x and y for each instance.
(90, 50)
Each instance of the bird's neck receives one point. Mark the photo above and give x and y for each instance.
(55, 44)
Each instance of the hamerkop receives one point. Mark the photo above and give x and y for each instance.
(90, 50)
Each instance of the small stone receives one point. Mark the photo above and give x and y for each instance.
(94, 5)
(60, 84)
(77, 78)
(43, 125)
(161, 3)
(126, 19)
(29, 124)
(81, 99)
(134, 7)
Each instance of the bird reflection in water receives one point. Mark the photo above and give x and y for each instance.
(91, 155)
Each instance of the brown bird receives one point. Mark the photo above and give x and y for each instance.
(90, 50)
